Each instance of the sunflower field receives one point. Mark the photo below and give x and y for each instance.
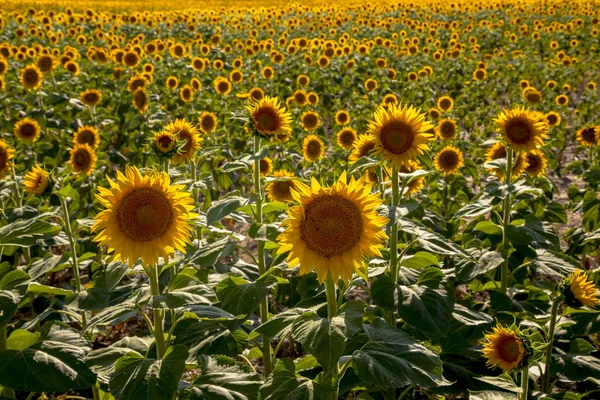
(312, 200)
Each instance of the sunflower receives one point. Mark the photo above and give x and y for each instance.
(266, 166)
(186, 132)
(37, 181)
(388, 99)
(536, 163)
(446, 129)
(131, 59)
(498, 151)
(91, 97)
(87, 135)
(208, 122)
(417, 183)
(445, 103)
(280, 189)
(256, 94)
(332, 228)
(370, 84)
(342, 117)
(83, 159)
(434, 113)
(165, 143)
(449, 160)
(28, 130)
(579, 291)
(400, 133)
(362, 147)
(6, 155)
(504, 348)
(346, 138)
(532, 95)
(186, 93)
(310, 120)
(479, 74)
(562, 100)
(313, 148)
(303, 80)
(300, 97)
(172, 82)
(136, 82)
(31, 77)
(313, 98)
(3, 65)
(269, 118)
(145, 217)
(222, 86)
(521, 129)
(46, 63)
(140, 99)
(553, 118)
(588, 136)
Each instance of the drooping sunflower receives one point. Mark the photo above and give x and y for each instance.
(145, 217)
(580, 291)
(87, 135)
(269, 118)
(400, 133)
(31, 77)
(553, 118)
(346, 138)
(83, 159)
(332, 229)
(521, 129)
(6, 155)
(208, 122)
(504, 348)
(362, 147)
(91, 97)
(310, 120)
(188, 133)
(342, 117)
(313, 148)
(37, 181)
(165, 144)
(140, 99)
(449, 159)
(497, 151)
(446, 129)
(536, 163)
(588, 136)
(445, 103)
(281, 189)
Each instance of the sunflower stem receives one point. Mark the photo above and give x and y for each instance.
(394, 237)
(550, 339)
(506, 219)
(331, 313)
(524, 382)
(264, 305)
(159, 316)
(73, 245)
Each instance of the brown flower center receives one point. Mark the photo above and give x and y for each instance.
(519, 131)
(509, 349)
(144, 214)
(397, 137)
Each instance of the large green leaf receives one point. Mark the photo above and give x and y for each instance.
(432, 241)
(321, 337)
(390, 358)
(243, 299)
(136, 377)
(25, 233)
(102, 361)
(223, 208)
(428, 310)
(285, 384)
(9, 303)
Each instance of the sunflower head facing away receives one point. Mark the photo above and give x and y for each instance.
(6, 155)
(28, 130)
(269, 118)
(281, 188)
(145, 217)
(579, 291)
(504, 348)
(521, 129)
(449, 160)
(400, 133)
(332, 229)
(83, 159)
(37, 181)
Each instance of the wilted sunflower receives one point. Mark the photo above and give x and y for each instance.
(521, 129)
(145, 217)
(28, 130)
(310, 120)
(31, 77)
(579, 291)
(504, 348)
(83, 159)
(87, 135)
(6, 155)
(346, 138)
(449, 160)
(140, 99)
(91, 97)
(553, 118)
(498, 151)
(313, 148)
(445, 103)
(332, 229)
(269, 118)
(588, 136)
(446, 129)
(37, 181)
(280, 190)
(208, 122)
(536, 163)
(186, 132)
(400, 133)
(362, 147)
(342, 117)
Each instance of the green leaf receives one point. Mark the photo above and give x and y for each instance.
(207, 255)
(467, 270)
(489, 228)
(479, 207)
(420, 260)
(427, 309)
(35, 287)
(21, 339)
(25, 233)
(13, 278)
(285, 384)
(432, 241)
(431, 277)
(470, 317)
(190, 295)
(321, 337)
(102, 361)
(48, 264)
(491, 395)
(553, 263)
(390, 358)
(575, 367)
(362, 163)
(276, 325)
(9, 303)
(136, 377)
(243, 299)
(223, 208)
(384, 292)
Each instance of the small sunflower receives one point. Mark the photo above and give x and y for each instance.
(332, 229)
(145, 217)
(342, 117)
(46, 63)
(310, 120)
(536, 163)
(588, 136)
(172, 82)
(140, 99)
(87, 135)
(498, 151)
(136, 82)
(281, 189)
(186, 93)
(208, 122)
(28, 130)
(562, 100)
(37, 181)
(313, 148)
(400, 133)
(266, 166)
(446, 129)
(370, 84)
(186, 132)
(269, 118)
(416, 184)
(346, 138)
(256, 94)
(300, 97)
(579, 291)
(521, 129)
(445, 103)
(83, 159)
(449, 160)
(362, 147)
(6, 155)
(504, 348)
(91, 97)
(553, 118)
(31, 77)
(532, 95)
(222, 86)
(165, 144)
